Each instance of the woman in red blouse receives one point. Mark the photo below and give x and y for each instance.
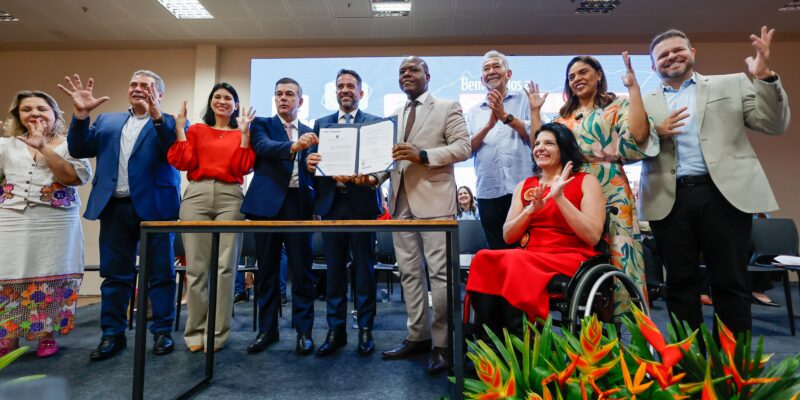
(216, 155)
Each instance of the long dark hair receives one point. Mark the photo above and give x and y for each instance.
(567, 146)
(472, 206)
(601, 99)
(208, 116)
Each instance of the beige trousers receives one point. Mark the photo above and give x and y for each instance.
(409, 248)
(210, 200)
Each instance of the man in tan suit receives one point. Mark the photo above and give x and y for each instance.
(700, 191)
(432, 136)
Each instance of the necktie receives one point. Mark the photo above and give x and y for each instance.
(412, 115)
(348, 119)
(289, 128)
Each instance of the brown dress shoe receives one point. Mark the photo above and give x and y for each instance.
(437, 363)
(407, 348)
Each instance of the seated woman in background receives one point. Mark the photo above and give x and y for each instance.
(467, 209)
(42, 238)
(557, 217)
(217, 154)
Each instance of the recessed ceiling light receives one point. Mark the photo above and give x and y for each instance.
(597, 6)
(791, 6)
(391, 8)
(7, 17)
(186, 9)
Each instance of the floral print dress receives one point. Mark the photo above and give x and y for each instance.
(607, 144)
(41, 240)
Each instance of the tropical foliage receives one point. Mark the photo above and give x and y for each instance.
(543, 364)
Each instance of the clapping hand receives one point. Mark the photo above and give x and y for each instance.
(538, 200)
(245, 119)
(153, 102)
(495, 101)
(36, 137)
(180, 123)
(560, 182)
(83, 100)
(535, 97)
(758, 66)
(629, 79)
(669, 126)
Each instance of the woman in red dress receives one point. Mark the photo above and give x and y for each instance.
(557, 218)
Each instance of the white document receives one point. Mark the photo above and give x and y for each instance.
(357, 148)
(375, 150)
(338, 147)
(787, 260)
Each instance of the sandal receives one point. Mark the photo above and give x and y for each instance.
(47, 347)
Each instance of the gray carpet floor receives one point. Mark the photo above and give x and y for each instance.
(278, 373)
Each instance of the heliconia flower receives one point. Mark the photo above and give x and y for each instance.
(727, 340)
(634, 385)
(670, 353)
(591, 350)
(708, 386)
(660, 372)
(545, 395)
(499, 392)
(487, 372)
(561, 376)
(741, 382)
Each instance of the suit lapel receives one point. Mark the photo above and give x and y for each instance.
(701, 99)
(116, 140)
(422, 114)
(359, 117)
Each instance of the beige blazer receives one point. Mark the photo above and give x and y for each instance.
(441, 131)
(726, 105)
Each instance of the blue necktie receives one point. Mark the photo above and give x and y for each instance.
(348, 119)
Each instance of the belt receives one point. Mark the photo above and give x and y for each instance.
(692, 180)
(126, 199)
(341, 189)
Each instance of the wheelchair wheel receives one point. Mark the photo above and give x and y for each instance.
(594, 293)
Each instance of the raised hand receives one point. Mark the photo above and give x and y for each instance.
(153, 102)
(180, 123)
(83, 100)
(758, 66)
(245, 119)
(629, 79)
(535, 97)
(669, 126)
(560, 182)
(35, 137)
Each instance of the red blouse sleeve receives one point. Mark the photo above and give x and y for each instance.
(242, 161)
(182, 155)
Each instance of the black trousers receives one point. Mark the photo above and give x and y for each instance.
(493, 215)
(496, 313)
(703, 221)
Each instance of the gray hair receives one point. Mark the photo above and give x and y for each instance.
(496, 54)
(150, 74)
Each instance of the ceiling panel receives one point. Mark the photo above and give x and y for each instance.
(350, 8)
(304, 9)
(429, 8)
(431, 27)
(318, 28)
(395, 27)
(243, 28)
(147, 9)
(469, 26)
(206, 29)
(226, 9)
(355, 27)
(134, 30)
(516, 8)
(272, 9)
(280, 29)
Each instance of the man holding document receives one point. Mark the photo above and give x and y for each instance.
(432, 136)
(338, 197)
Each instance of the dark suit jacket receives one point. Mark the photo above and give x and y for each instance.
(365, 199)
(154, 183)
(273, 169)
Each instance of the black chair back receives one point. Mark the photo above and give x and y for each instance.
(248, 245)
(772, 237)
(471, 237)
(385, 248)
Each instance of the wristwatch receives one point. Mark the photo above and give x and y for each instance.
(507, 120)
(423, 157)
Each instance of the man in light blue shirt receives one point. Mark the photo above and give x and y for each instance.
(690, 161)
(498, 128)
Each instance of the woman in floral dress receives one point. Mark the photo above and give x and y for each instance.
(611, 131)
(41, 238)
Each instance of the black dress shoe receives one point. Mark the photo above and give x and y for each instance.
(365, 344)
(262, 341)
(437, 363)
(109, 346)
(241, 297)
(305, 345)
(163, 343)
(408, 348)
(336, 338)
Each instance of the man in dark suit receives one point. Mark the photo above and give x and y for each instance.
(339, 198)
(282, 191)
(134, 183)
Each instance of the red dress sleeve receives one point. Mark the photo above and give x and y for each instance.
(182, 155)
(242, 161)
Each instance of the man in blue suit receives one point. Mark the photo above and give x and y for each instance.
(280, 190)
(339, 198)
(134, 183)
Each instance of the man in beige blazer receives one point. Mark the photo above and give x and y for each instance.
(700, 191)
(432, 136)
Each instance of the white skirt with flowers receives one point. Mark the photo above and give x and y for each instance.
(42, 252)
